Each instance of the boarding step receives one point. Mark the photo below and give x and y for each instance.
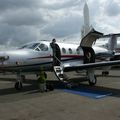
(58, 70)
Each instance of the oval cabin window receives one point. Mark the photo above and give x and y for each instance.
(64, 50)
(70, 50)
(78, 50)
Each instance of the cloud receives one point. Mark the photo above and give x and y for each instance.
(66, 26)
(18, 4)
(23, 17)
(23, 21)
(112, 8)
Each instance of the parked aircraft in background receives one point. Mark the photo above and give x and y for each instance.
(111, 42)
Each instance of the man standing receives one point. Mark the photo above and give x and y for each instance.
(56, 53)
(42, 81)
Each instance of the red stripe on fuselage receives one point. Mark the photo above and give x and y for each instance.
(63, 56)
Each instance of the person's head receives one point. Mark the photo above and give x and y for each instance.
(54, 40)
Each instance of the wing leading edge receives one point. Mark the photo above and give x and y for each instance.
(92, 65)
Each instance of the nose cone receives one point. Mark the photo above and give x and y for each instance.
(14, 54)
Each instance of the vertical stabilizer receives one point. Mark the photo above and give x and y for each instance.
(86, 27)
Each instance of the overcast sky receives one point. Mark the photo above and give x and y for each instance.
(23, 21)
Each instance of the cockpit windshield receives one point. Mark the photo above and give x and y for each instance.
(30, 46)
(35, 46)
(43, 47)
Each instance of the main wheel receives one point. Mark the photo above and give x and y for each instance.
(93, 82)
(18, 85)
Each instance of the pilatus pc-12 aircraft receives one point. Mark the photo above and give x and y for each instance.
(59, 57)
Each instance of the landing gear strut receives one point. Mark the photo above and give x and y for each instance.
(18, 84)
(93, 82)
(91, 77)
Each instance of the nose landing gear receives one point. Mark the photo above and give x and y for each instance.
(18, 85)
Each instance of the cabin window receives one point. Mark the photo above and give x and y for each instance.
(43, 47)
(78, 50)
(64, 50)
(70, 50)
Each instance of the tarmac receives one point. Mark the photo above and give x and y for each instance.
(30, 104)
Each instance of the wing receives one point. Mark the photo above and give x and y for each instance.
(92, 65)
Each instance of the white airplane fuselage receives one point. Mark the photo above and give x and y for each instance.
(32, 56)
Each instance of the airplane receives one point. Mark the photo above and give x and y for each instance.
(58, 57)
(111, 42)
(66, 57)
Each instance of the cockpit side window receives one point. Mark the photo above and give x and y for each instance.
(43, 47)
(32, 46)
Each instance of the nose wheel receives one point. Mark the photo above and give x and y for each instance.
(18, 85)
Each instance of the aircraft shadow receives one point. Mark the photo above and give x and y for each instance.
(98, 75)
(82, 83)
(115, 91)
(31, 87)
(6, 91)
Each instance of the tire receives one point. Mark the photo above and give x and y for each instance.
(18, 85)
(93, 83)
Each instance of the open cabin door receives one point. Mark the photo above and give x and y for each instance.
(57, 67)
(86, 45)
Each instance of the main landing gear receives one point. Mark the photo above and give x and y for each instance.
(18, 85)
(91, 77)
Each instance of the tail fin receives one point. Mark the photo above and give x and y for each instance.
(86, 27)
